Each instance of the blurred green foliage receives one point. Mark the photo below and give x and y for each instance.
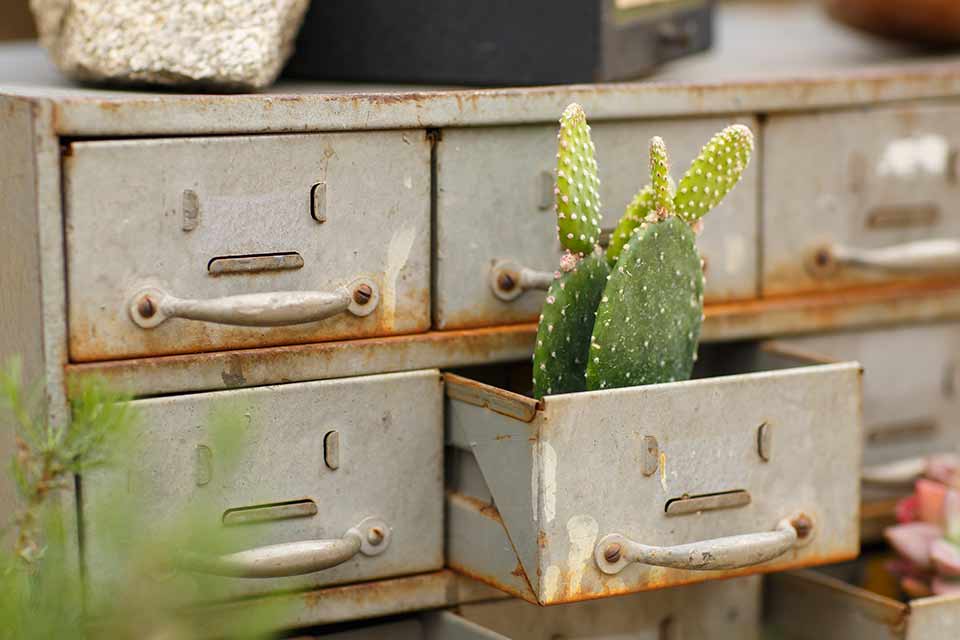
(146, 593)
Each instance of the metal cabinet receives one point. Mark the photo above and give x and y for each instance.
(601, 493)
(809, 606)
(847, 195)
(495, 205)
(202, 244)
(715, 611)
(331, 482)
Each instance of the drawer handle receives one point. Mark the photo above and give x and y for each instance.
(614, 551)
(150, 307)
(509, 280)
(370, 538)
(925, 255)
(900, 472)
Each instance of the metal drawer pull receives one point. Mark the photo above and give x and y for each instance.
(614, 551)
(896, 473)
(925, 255)
(151, 306)
(509, 280)
(371, 537)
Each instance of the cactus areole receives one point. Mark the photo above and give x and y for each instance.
(632, 316)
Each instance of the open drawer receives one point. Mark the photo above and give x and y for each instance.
(808, 605)
(716, 611)
(753, 467)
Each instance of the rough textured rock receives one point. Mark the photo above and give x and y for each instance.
(222, 44)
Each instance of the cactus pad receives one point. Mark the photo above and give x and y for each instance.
(566, 324)
(637, 210)
(648, 322)
(714, 172)
(660, 178)
(577, 189)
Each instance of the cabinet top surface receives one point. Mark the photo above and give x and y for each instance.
(768, 57)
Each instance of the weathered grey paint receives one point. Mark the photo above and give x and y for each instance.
(390, 468)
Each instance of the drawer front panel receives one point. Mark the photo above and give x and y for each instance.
(204, 220)
(910, 387)
(291, 480)
(839, 187)
(495, 202)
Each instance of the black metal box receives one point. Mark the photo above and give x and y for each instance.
(497, 42)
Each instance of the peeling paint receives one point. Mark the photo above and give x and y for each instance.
(548, 465)
(915, 156)
(398, 253)
(582, 531)
(551, 583)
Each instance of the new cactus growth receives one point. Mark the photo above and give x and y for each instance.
(641, 323)
(577, 186)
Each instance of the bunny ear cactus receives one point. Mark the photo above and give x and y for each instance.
(639, 323)
(648, 323)
(577, 186)
(566, 323)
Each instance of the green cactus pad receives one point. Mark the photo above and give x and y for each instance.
(660, 178)
(648, 321)
(578, 187)
(714, 172)
(637, 210)
(566, 324)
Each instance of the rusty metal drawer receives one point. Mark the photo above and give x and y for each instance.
(752, 468)
(348, 472)
(495, 206)
(728, 610)
(910, 395)
(806, 605)
(203, 244)
(859, 198)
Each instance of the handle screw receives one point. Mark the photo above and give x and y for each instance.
(506, 282)
(612, 553)
(146, 308)
(375, 536)
(362, 294)
(803, 525)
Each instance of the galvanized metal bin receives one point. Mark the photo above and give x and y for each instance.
(595, 494)
(728, 610)
(810, 606)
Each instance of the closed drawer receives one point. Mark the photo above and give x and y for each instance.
(753, 467)
(809, 606)
(297, 463)
(910, 394)
(847, 211)
(495, 203)
(717, 611)
(164, 235)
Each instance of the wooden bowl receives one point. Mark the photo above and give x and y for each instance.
(935, 22)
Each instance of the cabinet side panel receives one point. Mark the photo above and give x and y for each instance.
(21, 317)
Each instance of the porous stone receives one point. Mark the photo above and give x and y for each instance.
(218, 44)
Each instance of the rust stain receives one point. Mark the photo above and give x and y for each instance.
(591, 588)
(523, 594)
(485, 509)
(505, 436)
(366, 355)
(542, 539)
(518, 572)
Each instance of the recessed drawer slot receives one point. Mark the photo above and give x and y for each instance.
(255, 264)
(707, 502)
(268, 512)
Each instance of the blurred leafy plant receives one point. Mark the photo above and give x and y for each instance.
(146, 595)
